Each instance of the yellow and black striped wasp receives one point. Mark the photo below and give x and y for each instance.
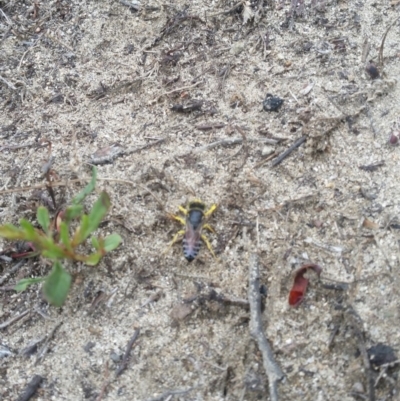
(195, 220)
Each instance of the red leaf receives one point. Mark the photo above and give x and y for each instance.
(300, 284)
(58, 219)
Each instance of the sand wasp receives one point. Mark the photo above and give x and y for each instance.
(195, 221)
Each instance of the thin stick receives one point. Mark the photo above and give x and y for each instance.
(14, 319)
(272, 369)
(211, 126)
(119, 151)
(27, 145)
(173, 91)
(54, 39)
(162, 205)
(63, 184)
(124, 362)
(229, 142)
(11, 271)
(226, 12)
(29, 49)
(380, 58)
(105, 384)
(357, 324)
(170, 393)
(130, 4)
(267, 159)
(9, 84)
(43, 351)
(288, 151)
(31, 388)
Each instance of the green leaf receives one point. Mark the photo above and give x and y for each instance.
(111, 242)
(93, 259)
(43, 218)
(11, 232)
(90, 223)
(72, 212)
(87, 190)
(99, 210)
(51, 250)
(95, 243)
(23, 284)
(81, 231)
(64, 236)
(30, 232)
(57, 285)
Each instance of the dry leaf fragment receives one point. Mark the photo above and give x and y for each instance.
(369, 224)
(180, 312)
(300, 284)
(248, 13)
(305, 91)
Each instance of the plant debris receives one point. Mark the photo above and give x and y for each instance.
(299, 288)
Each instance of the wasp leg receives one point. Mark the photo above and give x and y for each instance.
(177, 218)
(174, 240)
(208, 245)
(211, 210)
(183, 210)
(209, 228)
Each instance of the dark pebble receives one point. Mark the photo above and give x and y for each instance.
(272, 103)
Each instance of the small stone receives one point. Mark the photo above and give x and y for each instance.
(381, 354)
(372, 71)
(267, 150)
(357, 388)
(237, 48)
(272, 103)
(115, 357)
(394, 138)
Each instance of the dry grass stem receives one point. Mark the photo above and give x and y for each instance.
(272, 369)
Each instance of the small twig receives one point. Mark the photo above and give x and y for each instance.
(14, 319)
(228, 142)
(54, 39)
(124, 362)
(245, 147)
(31, 388)
(211, 126)
(11, 271)
(116, 151)
(357, 324)
(173, 91)
(170, 393)
(29, 49)
(267, 159)
(380, 58)
(7, 288)
(372, 167)
(27, 145)
(10, 85)
(134, 5)
(272, 369)
(162, 205)
(63, 184)
(105, 384)
(226, 12)
(43, 351)
(288, 151)
(148, 145)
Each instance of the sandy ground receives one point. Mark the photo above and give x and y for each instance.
(156, 83)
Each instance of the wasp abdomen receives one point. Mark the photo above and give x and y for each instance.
(190, 251)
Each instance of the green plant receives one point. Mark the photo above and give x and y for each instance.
(58, 241)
